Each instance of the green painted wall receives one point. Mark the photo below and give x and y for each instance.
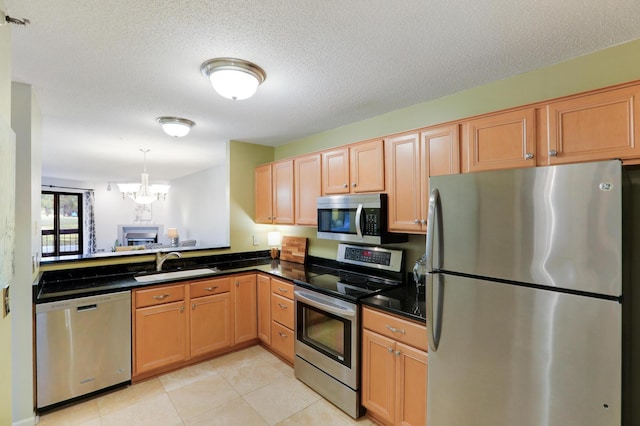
(615, 65)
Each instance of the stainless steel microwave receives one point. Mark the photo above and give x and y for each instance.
(357, 218)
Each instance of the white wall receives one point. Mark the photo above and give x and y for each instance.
(199, 207)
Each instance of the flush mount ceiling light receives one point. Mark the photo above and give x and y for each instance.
(174, 126)
(233, 78)
(143, 193)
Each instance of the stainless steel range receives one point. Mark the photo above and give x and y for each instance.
(327, 320)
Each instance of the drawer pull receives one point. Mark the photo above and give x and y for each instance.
(160, 296)
(282, 306)
(211, 288)
(282, 334)
(284, 290)
(396, 330)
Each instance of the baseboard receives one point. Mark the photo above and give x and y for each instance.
(29, 421)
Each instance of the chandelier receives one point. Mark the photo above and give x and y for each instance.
(143, 193)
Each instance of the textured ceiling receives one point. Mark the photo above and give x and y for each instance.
(103, 70)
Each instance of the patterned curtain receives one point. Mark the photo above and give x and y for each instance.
(90, 221)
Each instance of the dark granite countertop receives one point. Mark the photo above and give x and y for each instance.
(404, 301)
(72, 283)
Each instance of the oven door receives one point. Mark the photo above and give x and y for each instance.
(327, 334)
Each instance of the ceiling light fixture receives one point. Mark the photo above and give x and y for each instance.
(143, 193)
(175, 126)
(233, 78)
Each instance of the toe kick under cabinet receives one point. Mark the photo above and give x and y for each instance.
(394, 368)
(182, 323)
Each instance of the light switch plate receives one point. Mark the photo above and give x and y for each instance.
(5, 302)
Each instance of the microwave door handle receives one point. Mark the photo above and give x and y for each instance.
(359, 220)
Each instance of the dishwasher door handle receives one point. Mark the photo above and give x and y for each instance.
(85, 308)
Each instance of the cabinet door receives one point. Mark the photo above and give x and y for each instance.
(263, 194)
(439, 155)
(308, 187)
(367, 166)
(411, 396)
(379, 375)
(335, 171)
(595, 127)
(500, 141)
(283, 192)
(210, 324)
(404, 183)
(160, 336)
(264, 309)
(245, 308)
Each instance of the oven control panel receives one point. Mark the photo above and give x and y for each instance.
(373, 257)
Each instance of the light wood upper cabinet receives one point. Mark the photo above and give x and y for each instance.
(501, 141)
(600, 126)
(283, 192)
(404, 183)
(308, 187)
(263, 193)
(335, 171)
(245, 308)
(411, 158)
(274, 197)
(366, 168)
(354, 168)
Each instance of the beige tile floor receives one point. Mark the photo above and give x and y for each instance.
(249, 387)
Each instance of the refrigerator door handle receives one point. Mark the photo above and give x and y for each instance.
(434, 201)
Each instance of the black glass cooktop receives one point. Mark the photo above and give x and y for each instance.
(348, 285)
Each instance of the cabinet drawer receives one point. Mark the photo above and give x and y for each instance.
(399, 329)
(282, 340)
(282, 288)
(159, 295)
(209, 287)
(282, 310)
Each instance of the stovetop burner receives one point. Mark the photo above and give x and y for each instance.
(348, 285)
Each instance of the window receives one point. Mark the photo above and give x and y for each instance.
(61, 223)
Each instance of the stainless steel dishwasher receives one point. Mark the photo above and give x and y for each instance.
(82, 345)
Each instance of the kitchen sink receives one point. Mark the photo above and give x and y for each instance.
(172, 275)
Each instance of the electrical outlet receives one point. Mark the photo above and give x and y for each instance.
(256, 241)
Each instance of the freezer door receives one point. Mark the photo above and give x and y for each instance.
(512, 355)
(559, 226)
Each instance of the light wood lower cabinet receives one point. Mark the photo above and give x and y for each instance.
(182, 323)
(160, 336)
(211, 328)
(282, 315)
(394, 369)
(245, 308)
(264, 309)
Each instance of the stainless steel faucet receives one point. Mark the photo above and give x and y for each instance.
(160, 258)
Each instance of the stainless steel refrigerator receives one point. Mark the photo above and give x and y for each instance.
(525, 314)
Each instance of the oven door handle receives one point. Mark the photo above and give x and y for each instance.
(317, 302)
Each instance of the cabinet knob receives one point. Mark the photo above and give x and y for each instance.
(416, 221)
(397, 353)
(345, 185)
(553, 153)
(182, 309)
(528, 156)
(423, 221)
(237, 283)
(193, 306)
(353, 184)
(390, 349)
